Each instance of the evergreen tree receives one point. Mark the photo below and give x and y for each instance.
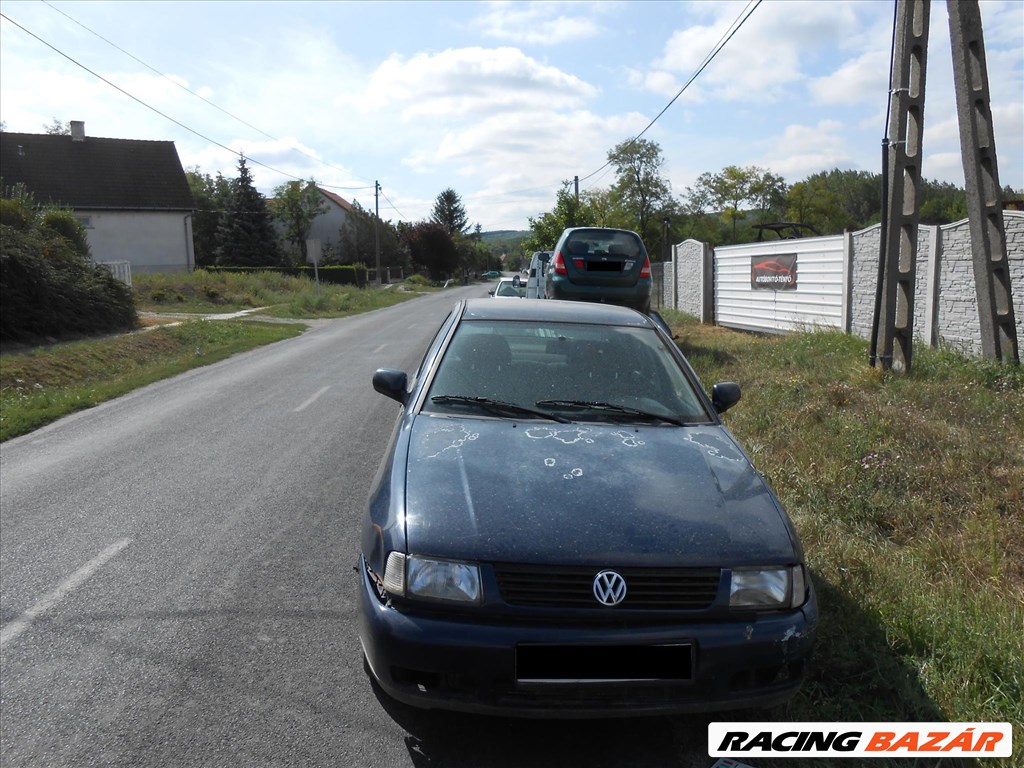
(450, 213)
(245, 235)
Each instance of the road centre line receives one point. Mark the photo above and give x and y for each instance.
(311, 400)
(65, 588)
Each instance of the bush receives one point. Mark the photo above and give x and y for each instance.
(15, 214)
(50, 288)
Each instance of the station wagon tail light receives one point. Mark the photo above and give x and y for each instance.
(423, 577)
(768, 588)
(645, 270)
(559, 265)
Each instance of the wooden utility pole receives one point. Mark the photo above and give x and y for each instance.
(376, 231)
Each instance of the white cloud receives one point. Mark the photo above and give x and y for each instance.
(805, 149)
(464, 81)
(860, 80)
(537, 23)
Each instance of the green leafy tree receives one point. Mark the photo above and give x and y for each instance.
(942, 202)
(431, 248)
(568, 212)
(450, 213)
(356, 241)
(739, 194)
(640, 190)
(245, 234)
(57, 128)
(835, 201)
(211, 196)
(296, 205)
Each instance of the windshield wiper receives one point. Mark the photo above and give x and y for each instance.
(498, 406)
(611, 408)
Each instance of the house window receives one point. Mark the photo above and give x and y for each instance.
(85, 221)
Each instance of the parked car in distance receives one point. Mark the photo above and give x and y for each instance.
(535, 274)
(602, 265)
(562, 526)
(509, 288)
(490, 275)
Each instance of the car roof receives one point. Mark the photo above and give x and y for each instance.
(553, 311)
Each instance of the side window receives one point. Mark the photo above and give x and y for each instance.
(431, 352)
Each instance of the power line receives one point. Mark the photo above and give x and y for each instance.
(722, 41)
(157, 111)
(198, 96)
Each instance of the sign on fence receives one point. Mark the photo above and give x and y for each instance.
(774, 273)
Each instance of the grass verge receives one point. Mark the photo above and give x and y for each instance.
(284, 296)
(43, 384)
(908, 493)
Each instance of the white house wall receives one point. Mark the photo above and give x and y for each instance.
(149, 241)
(817, 300)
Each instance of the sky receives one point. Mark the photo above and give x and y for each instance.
(500, 101)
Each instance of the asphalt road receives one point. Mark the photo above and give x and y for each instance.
(177, 584)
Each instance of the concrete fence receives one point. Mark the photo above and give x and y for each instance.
(833, 281)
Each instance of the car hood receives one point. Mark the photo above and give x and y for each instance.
(541, 492)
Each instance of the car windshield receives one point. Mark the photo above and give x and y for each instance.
(509, 288)
(578, 371)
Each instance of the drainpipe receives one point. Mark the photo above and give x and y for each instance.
(189, 260)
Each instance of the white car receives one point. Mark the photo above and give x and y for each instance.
(509, 288)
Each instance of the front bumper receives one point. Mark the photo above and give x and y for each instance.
(468, 666)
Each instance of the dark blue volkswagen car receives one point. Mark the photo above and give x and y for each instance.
(562, 526)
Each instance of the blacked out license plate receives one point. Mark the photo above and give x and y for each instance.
(567, 663)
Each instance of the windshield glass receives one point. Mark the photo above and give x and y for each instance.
(563, 367)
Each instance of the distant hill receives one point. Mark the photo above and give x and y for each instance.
(508, 243)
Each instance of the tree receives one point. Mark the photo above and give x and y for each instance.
(450, 213)
(57, 128)
(736, 191)
(547, 228)
(835, 201)
(211, 196)
(640, 190)
(431, 248)
(356, 241)
(245, 234)
(296, 205)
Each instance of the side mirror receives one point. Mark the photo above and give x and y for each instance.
(490, 292)
(724, 395)
(392, 383)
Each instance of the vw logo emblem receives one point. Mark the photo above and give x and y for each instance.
(609, 588)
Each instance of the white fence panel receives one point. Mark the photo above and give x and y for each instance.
(122, 270)
(817, 300)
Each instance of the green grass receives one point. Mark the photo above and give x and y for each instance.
(43, 384)
(202, 292)
(908, 493)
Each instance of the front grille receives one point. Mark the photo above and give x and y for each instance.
(573, 586)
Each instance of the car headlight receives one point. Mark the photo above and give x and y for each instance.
(767, 587)
(424, 577)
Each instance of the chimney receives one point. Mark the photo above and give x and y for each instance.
(78, 130)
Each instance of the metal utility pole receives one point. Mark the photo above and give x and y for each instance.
(376, 230)
(906, 126)
(981, 180)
